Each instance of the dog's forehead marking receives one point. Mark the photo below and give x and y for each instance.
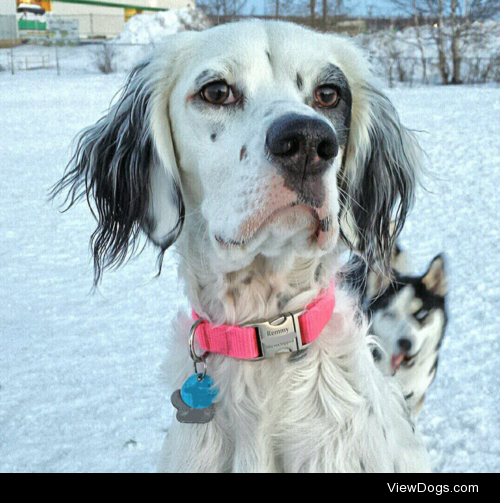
(300, 82)
(202, 78)
(207, 76)
(333, 75)
(403, 299)
(243, 152)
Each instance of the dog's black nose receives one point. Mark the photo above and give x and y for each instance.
(302, 144)
(405, 345)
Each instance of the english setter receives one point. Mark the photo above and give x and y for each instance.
(263, 150)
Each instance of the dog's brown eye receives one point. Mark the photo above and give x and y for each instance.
(327, 96)
(218, 93)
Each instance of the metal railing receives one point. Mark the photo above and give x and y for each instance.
(85, 57)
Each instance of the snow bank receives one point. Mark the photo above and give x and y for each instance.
(148, 29)
(144, 31)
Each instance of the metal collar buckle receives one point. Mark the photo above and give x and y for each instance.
(281, 335)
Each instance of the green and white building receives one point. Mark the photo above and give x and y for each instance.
(94, 18)
(106, 18)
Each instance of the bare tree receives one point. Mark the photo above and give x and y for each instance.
(454, 25)
(226, 8)
(280, 8)
(312, 10)
(420, 44)
(104, 59)
(439, 37)
(339, 8)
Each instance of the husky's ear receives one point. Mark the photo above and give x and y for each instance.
(125, 166)
(379, 176)
(378, 279)
(376, 283)
(400, 262)
(436, 279)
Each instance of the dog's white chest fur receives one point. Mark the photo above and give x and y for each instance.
(330, 411)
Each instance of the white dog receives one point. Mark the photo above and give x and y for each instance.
(260, 147)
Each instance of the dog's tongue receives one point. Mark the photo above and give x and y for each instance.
(396, 362)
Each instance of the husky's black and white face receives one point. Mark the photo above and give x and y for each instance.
(410, 319)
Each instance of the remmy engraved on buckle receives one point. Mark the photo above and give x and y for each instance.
(281, 335)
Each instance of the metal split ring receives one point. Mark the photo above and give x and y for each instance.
(197, 360)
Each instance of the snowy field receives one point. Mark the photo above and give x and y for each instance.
(80, 387)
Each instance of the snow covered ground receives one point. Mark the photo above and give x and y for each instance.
(79, 373)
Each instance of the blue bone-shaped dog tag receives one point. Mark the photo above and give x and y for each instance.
(195, 401)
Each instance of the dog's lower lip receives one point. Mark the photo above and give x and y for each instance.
(229, 242)
(276, 213)
(234, 243)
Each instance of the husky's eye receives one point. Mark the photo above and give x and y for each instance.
(422, 314)
(327, 96)
(218, 93)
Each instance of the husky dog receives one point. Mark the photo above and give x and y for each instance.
(409, 318)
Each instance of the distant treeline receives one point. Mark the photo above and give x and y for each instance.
(341, 24)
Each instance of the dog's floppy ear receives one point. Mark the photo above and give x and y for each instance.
(436, 279)
(125, 166)
(380, 174)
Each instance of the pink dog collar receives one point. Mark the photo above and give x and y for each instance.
(288, 333)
